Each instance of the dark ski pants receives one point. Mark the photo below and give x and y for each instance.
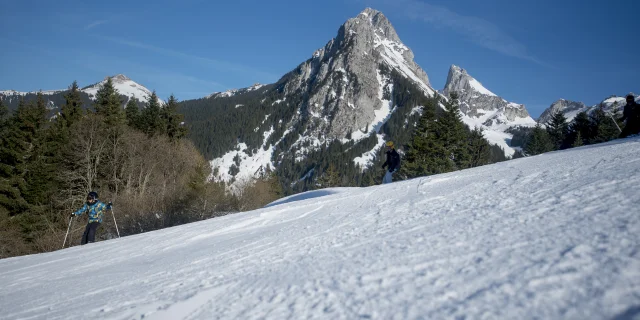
(89, 234)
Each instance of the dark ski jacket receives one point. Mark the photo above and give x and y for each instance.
(632, 116)
(393, 160)
(95, 211)
(631, 111)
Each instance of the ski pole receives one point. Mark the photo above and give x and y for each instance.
(114, 221)
(614, 120)
(65, 236)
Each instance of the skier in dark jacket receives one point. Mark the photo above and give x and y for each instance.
(393, 162)
(631, 115)
(95, 209)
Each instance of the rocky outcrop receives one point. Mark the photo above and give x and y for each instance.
(569, 108)
(478, 102)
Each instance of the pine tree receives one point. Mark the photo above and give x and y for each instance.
(150, 119)
(578, 142)
(452, 134)
(330, 178)
(11, 162)
(479, 149)
(109, 105)
(71, 111)
(539, 142)
(132, 113)
(602, 126)
(173, 120)
(275, 185)
(4, 115)
(581, 125)
(21, 163)
(557, 128)
(426, 154)
(40, 166)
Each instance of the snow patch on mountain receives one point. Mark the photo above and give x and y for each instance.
(366, 160)
(393, 54)
(306, 144)
(480, 88)
(279, 101)
(247, 166)
(233, 92)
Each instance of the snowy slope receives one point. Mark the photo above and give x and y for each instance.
(555, 236)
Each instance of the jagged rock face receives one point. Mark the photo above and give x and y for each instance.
(569, 108)
(478, 102)
(343, 81)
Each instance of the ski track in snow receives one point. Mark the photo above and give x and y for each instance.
(554, 236)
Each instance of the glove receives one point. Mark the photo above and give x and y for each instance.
(73, 214)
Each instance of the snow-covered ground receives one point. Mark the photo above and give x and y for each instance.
(555, 236)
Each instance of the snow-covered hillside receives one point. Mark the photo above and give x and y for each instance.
(555, 236)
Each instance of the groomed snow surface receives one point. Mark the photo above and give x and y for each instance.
(555, 236)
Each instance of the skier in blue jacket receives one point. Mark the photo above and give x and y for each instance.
(95, 209)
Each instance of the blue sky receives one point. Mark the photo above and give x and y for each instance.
(531, 52)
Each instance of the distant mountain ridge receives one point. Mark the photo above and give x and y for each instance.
(349, 92)
(127, 88)
(570, 109)
(349, 97)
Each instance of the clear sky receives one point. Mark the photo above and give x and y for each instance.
(531, 52)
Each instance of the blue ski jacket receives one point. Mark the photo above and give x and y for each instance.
(95, 211)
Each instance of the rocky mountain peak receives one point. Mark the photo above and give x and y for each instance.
(120, 78)
(461, 82)
(375, 21)
(344, 78)
(483, 106)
